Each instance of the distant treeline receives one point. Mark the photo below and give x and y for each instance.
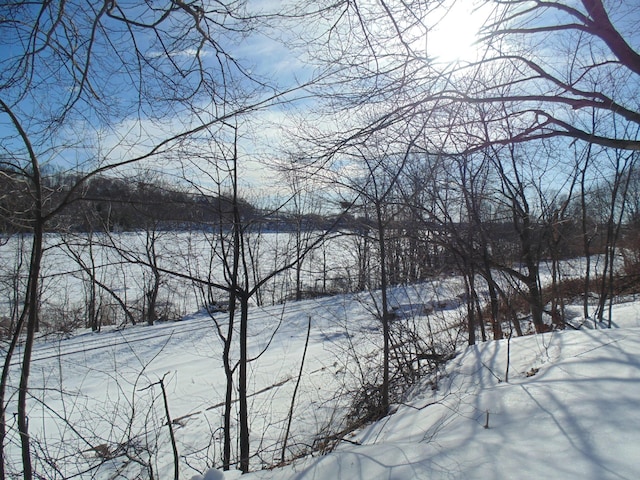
(104, 203)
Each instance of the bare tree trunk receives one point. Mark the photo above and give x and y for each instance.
(242, 386)
(153, 287)
(32, 294)
(174, 448)
(295, 393)
(586, 237)
(228, 400)
(32, 322)
(91, 302)
(618, 200)
(386, 314)
(493, 298)
(4, 380)
(228, 372)
(471, 313)
(536, 303)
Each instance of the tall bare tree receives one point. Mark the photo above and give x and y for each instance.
(553, 71)
(91, 86)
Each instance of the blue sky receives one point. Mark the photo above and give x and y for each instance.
(107, 122)
(121, 128)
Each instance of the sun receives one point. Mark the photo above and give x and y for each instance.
(453, 31)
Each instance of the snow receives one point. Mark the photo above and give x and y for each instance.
(211, 474)
(567, 409)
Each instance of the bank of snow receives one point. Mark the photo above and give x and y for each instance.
(568, 410)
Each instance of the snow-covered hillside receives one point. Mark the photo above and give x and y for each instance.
(96, 397)
(568, 410)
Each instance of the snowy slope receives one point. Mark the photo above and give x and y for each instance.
(568, 410)
(99, 392)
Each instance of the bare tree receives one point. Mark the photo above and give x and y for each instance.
(302, 209)
(545, 71)
(91, 84)
(592, 43)
(615, 190)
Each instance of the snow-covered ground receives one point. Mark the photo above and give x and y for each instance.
(97, 397)
(568, 408)
(117, 262)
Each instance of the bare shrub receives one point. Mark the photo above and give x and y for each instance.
(63, 319)
(6, 327)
